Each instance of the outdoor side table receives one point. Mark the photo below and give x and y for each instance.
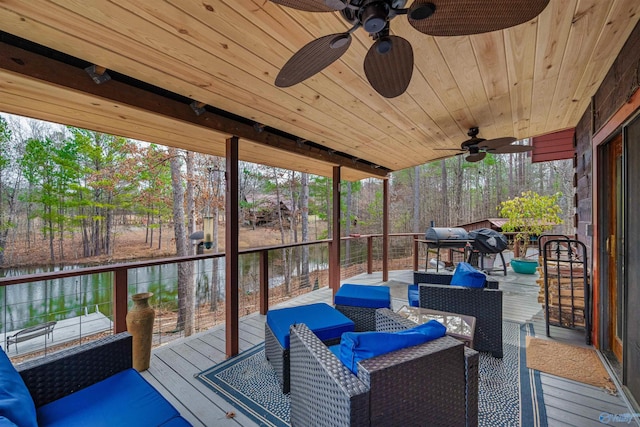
(459, 326)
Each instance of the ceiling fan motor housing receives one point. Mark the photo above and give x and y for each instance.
(374, 16)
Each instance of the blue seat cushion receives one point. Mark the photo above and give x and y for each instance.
(16, 404)
(466, 275)
(323, 320)
(357, 346)
(122, 399)
(413, 295)
(363, 296)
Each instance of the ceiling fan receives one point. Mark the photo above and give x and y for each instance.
(388, 64)
(479, 147)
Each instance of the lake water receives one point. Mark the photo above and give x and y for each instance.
(34, 303)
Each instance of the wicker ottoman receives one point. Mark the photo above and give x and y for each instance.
(360, 302)
(327, 323)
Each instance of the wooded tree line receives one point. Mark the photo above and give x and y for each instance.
(59, 183)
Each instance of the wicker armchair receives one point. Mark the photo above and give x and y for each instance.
(389, 321)
(485, 304)
(415, 386)
(70, 370)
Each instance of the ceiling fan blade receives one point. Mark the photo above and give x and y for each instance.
(490, 144)
(389, 66)
(464, 17)
(313, 5)
(506, 149)
(449, 149)
(314, 57)
(475, 157)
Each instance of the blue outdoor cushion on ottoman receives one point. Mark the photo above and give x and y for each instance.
(359, 303)
(327, 323)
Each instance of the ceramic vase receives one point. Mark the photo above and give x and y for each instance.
(140, 326)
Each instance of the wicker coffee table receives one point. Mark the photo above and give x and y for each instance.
(458, 326)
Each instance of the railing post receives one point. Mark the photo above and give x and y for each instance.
(416, 248)
(334, 247)
(120, 300)
(264, 282)
(385, 230)
(369, 254)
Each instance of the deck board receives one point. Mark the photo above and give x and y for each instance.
(174, 365)
(176, 374)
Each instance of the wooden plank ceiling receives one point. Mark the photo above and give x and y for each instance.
(529, 80)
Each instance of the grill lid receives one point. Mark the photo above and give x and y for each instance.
(488, 241)
(447, 236)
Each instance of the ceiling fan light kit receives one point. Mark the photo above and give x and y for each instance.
(390, 55)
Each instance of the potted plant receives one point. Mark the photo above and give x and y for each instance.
(529, 215)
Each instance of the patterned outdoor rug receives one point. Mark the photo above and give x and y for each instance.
(510, 393)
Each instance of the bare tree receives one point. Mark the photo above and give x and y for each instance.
(185, 269)
(416, 199)
(304, 207)
(191, 202)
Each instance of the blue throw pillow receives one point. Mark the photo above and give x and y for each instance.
(357, 346)
(16, 403)
(466, 275)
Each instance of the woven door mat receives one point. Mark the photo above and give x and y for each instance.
(568, 361)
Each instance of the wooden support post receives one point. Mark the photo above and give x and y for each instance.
(120, 300)
(334, 247)
(369, 254)
(416, 248)
(231, 248)
(385, 230)
(264, 282)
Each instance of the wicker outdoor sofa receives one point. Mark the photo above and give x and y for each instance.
(485, 304)
(434, 384)
(92, 384)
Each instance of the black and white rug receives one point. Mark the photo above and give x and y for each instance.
(510, 393)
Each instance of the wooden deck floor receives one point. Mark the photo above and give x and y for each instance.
(174, 365)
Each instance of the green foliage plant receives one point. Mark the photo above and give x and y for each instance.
(530, 215)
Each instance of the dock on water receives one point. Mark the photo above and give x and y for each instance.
(64, 331)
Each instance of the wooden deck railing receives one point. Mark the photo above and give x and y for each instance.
(407, 255)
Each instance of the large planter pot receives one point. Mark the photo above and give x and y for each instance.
(140, 326)
(524, 266)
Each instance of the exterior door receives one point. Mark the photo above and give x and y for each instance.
(614, 246)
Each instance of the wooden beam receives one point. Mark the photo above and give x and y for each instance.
(54, 72)
(231, 249)
(385, 230)
(334, 249)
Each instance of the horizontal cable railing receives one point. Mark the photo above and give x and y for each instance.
(86, 303)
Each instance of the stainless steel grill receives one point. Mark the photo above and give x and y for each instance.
(445, 238)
